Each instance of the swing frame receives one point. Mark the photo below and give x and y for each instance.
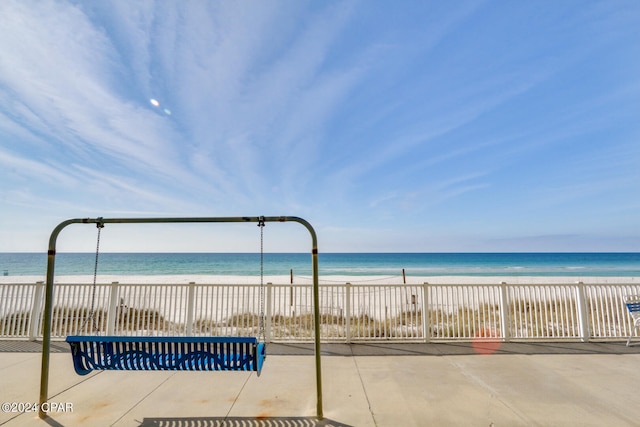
(48, 307)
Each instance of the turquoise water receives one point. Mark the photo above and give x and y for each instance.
(343, 264)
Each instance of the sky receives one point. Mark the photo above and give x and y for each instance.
(414, 126)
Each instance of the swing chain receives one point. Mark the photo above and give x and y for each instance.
(99, 226)
(261, 224)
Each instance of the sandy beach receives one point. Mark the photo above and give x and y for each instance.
(285, 279)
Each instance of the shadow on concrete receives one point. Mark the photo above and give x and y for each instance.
(240, 422)
(52, 422)
(479, 347)
(24, 346)
(386, 348)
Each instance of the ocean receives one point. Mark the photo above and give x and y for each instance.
(338, 264)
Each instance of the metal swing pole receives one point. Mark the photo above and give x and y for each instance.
(48, 306)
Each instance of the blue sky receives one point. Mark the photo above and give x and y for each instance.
(389, 126)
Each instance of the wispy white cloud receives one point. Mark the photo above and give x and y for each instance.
(65, 86)
(130, 28)
(60, 67)
(34, 170)
(349, 108)
(230, 88)
(111, 186)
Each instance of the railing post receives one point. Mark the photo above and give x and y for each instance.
(581, 302)
(347, 311)
(269, 309)
(35, 310)
(425, 312)
(504, 312)
(191, 297)
(112, 314)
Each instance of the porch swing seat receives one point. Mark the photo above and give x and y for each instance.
(166, 353)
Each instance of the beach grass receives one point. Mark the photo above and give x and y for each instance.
(15, 324)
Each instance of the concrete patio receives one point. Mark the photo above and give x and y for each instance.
(381, 384)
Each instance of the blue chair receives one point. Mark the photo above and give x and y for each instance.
(633, 305)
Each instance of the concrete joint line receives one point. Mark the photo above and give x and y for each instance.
(364, 389)
(236, 398)
(143, 398)
(492, 391)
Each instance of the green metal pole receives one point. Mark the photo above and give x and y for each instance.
(48, 311)
(316, 313)
(48, 307)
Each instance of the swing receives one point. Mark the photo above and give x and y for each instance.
(169, 353)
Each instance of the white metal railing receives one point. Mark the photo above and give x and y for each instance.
(349, 312)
